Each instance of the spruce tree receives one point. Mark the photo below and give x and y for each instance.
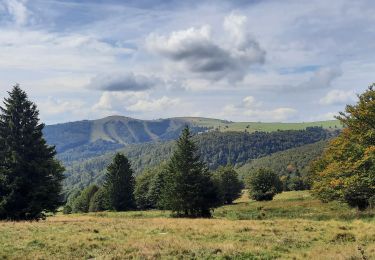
(119, 184)
(188, 190)
(30, 177)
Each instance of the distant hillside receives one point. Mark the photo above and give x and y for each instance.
(112, 132)
(299, 158)
(216, 148)
(225, 126)
(95, 137)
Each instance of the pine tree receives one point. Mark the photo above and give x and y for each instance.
(30, 177)
(119, 184)
(189, 190)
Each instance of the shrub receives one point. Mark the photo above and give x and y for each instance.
(228, 184)
(148, 187)
(82, 202)
(263, 184)
(67, 209)
(372, 202)
(99, 202)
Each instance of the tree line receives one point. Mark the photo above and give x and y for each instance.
(215, 148)
(183, 185)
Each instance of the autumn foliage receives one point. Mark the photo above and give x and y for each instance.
(346, 171)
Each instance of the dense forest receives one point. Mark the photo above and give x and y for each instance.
(283, 162)
(87, 138)
(216, 149)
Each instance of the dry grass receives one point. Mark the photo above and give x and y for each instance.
(152, 235)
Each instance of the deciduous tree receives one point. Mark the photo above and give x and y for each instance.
(346, 171)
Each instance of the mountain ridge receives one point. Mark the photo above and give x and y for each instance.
(114, 132)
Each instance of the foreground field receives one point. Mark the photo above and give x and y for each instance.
(293, 226)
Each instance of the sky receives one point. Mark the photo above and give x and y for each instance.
(270, 61)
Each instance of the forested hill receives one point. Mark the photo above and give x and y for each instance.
(112, 132)
(216, 148)
(298, 158)
(91, 138)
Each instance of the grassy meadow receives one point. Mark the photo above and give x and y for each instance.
(292, 226)
(250, 127)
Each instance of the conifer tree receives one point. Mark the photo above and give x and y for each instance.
(119, 184)
(188, 190)
(30, 177)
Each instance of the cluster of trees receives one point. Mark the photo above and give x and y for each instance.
(184, 185)
(346, 170)
(215, 148)
(30, 177)
(115, 194)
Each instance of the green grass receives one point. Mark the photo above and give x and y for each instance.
(293, 226)
(291, 205)
(223, 125)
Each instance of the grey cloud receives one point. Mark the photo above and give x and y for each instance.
(201, 54)
(321, 79)
(123, 82)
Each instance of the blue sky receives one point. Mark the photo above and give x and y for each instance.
(265, 60)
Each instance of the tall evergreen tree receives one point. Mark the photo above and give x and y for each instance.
(119, 184)
(30, 177)
(189, 190)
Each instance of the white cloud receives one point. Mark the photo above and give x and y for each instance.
(18, 11)
(250, 102)
(202, 54)
(54, 48)
(338, 97)
(40, 50)
(150, 105)
(54, 106)
(67, 109)
(120, 102)
(253, 110)
(264, 115)
(324, 117)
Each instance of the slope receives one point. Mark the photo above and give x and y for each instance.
(216, 148)
(280, 162)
